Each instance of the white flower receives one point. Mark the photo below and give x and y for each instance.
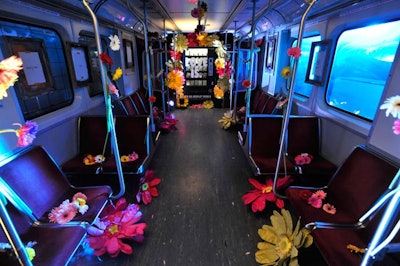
(392, 106)
(114, 42)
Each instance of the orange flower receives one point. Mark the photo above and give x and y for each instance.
(329, 208)
(152, 99)
(218, 93)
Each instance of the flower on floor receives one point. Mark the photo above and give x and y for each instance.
(147, 187)
(129, 158)
(208, 104)
(9, 69)
(227, 120)
(264, 192)
(169, 123)
(116, 224)
(68, 210)
(25, 133)
(281, 241)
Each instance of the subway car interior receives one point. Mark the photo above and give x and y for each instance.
(196, 132)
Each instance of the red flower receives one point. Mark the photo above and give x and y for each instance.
(106, 59)
(175, 55)
(263, 193)
(118, 222)
(305, 194)
(303, 158)
(246, 83)
(147, 187)
(152, 99)
(192, 40)
(294, 51)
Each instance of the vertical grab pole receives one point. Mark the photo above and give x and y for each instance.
(250, 74)
(107, 100)
(146, 44)
(286, 116)
(232, 103)
(13, 237)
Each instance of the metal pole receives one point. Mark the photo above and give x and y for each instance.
(107, 100)
(146, 44)
(233, 75)
(286, 116)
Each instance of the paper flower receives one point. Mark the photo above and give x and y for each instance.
(175, 80)
(104, 58)
(26, 134)
(147, 187)
(264, 192)
(180, 43)
(114, 42)
(117, 74)
(218, 93)
(281, 240)
(329, 208)
(246, 83)
(227, 119)
(9, 69)
(315, 201)
(286, 72)
(396, 127)
(63, 213)
(303, 158)
(113, 89)
(392, 106)
(294, 51)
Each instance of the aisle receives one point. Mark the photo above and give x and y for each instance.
(199, 218)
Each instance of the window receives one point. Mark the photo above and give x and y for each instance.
(300, 87)
(363, 58)
(44, 86)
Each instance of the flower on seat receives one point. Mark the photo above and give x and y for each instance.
(147, 187)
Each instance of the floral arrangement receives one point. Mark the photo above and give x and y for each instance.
(116, 225)
(147, 187)
(281, 241)
(316, 198)
(68, 210)
(392, 106)
(264, 192)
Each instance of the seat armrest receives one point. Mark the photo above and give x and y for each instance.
(326, 225)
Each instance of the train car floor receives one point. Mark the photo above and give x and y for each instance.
(199, 217)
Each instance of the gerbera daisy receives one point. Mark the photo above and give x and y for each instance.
(63, 213)
(286, 71)
(320, 194)
(180, 43)
(315, 201)
(329, 208)
(114, 42)
(392, 106)
(396, 127)
(147, 187)
(294, 51)
(117, 74)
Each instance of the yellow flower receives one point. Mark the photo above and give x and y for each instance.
(220, 62)
(208, 104)
(180, 43)
(117, 74)
(281, 242)
(286, 72)
(205, 40)
(227, 120)
(175, 80)
(31, 253)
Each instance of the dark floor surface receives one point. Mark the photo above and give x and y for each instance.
(199, 217)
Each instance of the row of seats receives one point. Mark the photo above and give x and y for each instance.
(356, 190)
(33, 185)
(303, 137)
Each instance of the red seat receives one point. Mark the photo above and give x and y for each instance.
(36, 179)
(358, 183)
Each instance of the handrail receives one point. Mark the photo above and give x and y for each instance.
(290, 101)
(107, 100)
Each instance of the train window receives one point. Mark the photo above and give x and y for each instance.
(300, 87)
(360, 68)
(44, 86)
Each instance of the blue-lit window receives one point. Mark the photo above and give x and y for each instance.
(56, 91)
(360, 68)
(300, 87)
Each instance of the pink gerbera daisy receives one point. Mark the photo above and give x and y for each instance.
(315, 201)
(320, 194)
(63, 213)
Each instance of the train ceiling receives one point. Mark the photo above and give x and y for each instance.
(222, 16)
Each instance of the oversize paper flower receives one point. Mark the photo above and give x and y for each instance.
(392, 106)
(9, 69)
(180, 43)
(264, 192)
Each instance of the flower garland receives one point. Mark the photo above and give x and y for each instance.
(68, 210)
(392, 106)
